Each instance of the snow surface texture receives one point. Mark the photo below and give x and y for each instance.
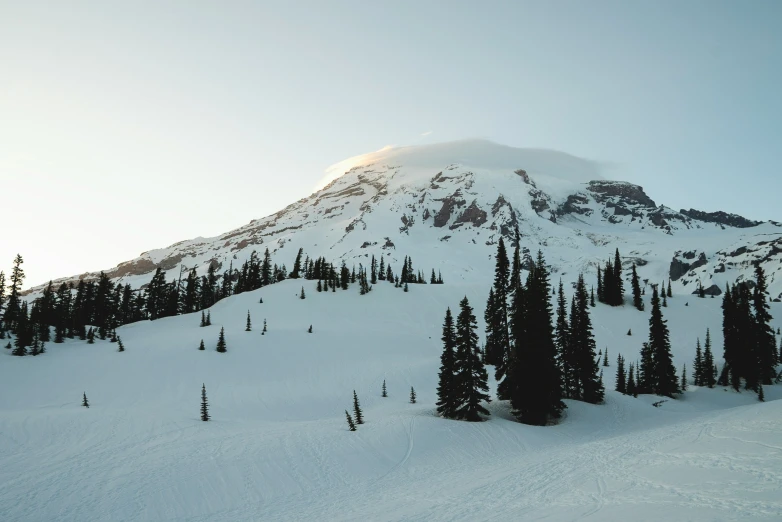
(278, 448)
(447, 205)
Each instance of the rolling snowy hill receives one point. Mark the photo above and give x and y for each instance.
(278, 447)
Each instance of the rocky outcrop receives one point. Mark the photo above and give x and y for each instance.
(679, 268)
(721, 218)
(572, 205)
(712, 290)
(449, 204)
(621, 192)
(472, 214)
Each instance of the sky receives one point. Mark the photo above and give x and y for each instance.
(128, 126)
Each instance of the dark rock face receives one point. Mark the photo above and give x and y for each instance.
(712, 290)
(679, 268)
(626, 193)
(449, 203)
(523, 175)
(721, 218)
(573, 205)
(472, 214)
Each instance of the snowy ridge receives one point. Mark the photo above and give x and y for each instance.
(447, 205)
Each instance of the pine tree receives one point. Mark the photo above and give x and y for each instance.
(84, 401)
(208, 318)
(120, 346)
(296, 272)
(351, 424)
(264, 326)
(621, 378)
(446, 387)
(471, 378)
(497, 344)
(708, 363)
(202, 346)
(309, 330)
(669, 293)
(618, 284)
(600, 289)
(384, 393)
(412, 395)
(761, 395)
(698, 374)
(204, 404)
(567, 363)
(638, 302)
(630, 331)
(357, 409)
(587, 386)
(605, 358)
(13, 306)
(406, 287)
(665, 299)
(662, 378)
(301, 295)
(90, 336)
(766, 344)
(683, 385)
(249, 326)
(221, 347)
(203, 319)
(632, 389)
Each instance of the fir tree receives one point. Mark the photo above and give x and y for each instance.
(708, 363)
(669, 293)
(587, 386)
(351, 424)
(264, 326)
(638, 302)
(384, 393)
(665, 299)
(208, 318)
(621, 378)
(761, 395)
(249, 326)
(296, 272)
(204, 404)
(412, 395)
(600, 290)
(446, 388)
(630, 331)
(202, 346)
(203, 319)
(496, 315)
(592, 298)
(567, 363)
(698, 374)
(221, 347)
(662, 379)
(13, 306)
(631, 386)
(357, 409)
(120, 346)
(309, 330)
(471, 378)
(301, 295)
(84, 401)
(90, 336)
(406, 287)
(618, 284)
(605, 358)
(766, 344)
(683, 385)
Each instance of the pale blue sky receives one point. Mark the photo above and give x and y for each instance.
(160, 121)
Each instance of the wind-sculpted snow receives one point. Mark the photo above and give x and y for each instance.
(278, 448)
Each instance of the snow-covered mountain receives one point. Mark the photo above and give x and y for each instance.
(447, 205)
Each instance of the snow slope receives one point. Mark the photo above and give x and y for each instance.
(278, 447)
(448, 204)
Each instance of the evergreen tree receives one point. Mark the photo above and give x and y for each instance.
(670, 294)
(202, 346)
(351, 424)
(766, 344)
(698, 374)
(605, 358)
(535, 382)
(249, 326)
(301, 295)
(381, 271)
(497, 344)
(618, 284)
(683, 385)
(204, 404)
(587, 386)
(384, 393)
(208, 318)
(405, 287)
(90, 336)
(600, 290)
(631, 386)
(120, 345)
(13, 306)
(264, 326)
(621, 378)
(412, 395)
(761, 395)
(471, 378)
(309, 330)
(84, 401)
(592, 298)
(447, 401)
(662, 379)
(357, 409)
(634, 283)
(709, 368)
(203, 319)
(665, 299)
(296, 272)
(567, 364)
(221, 347)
